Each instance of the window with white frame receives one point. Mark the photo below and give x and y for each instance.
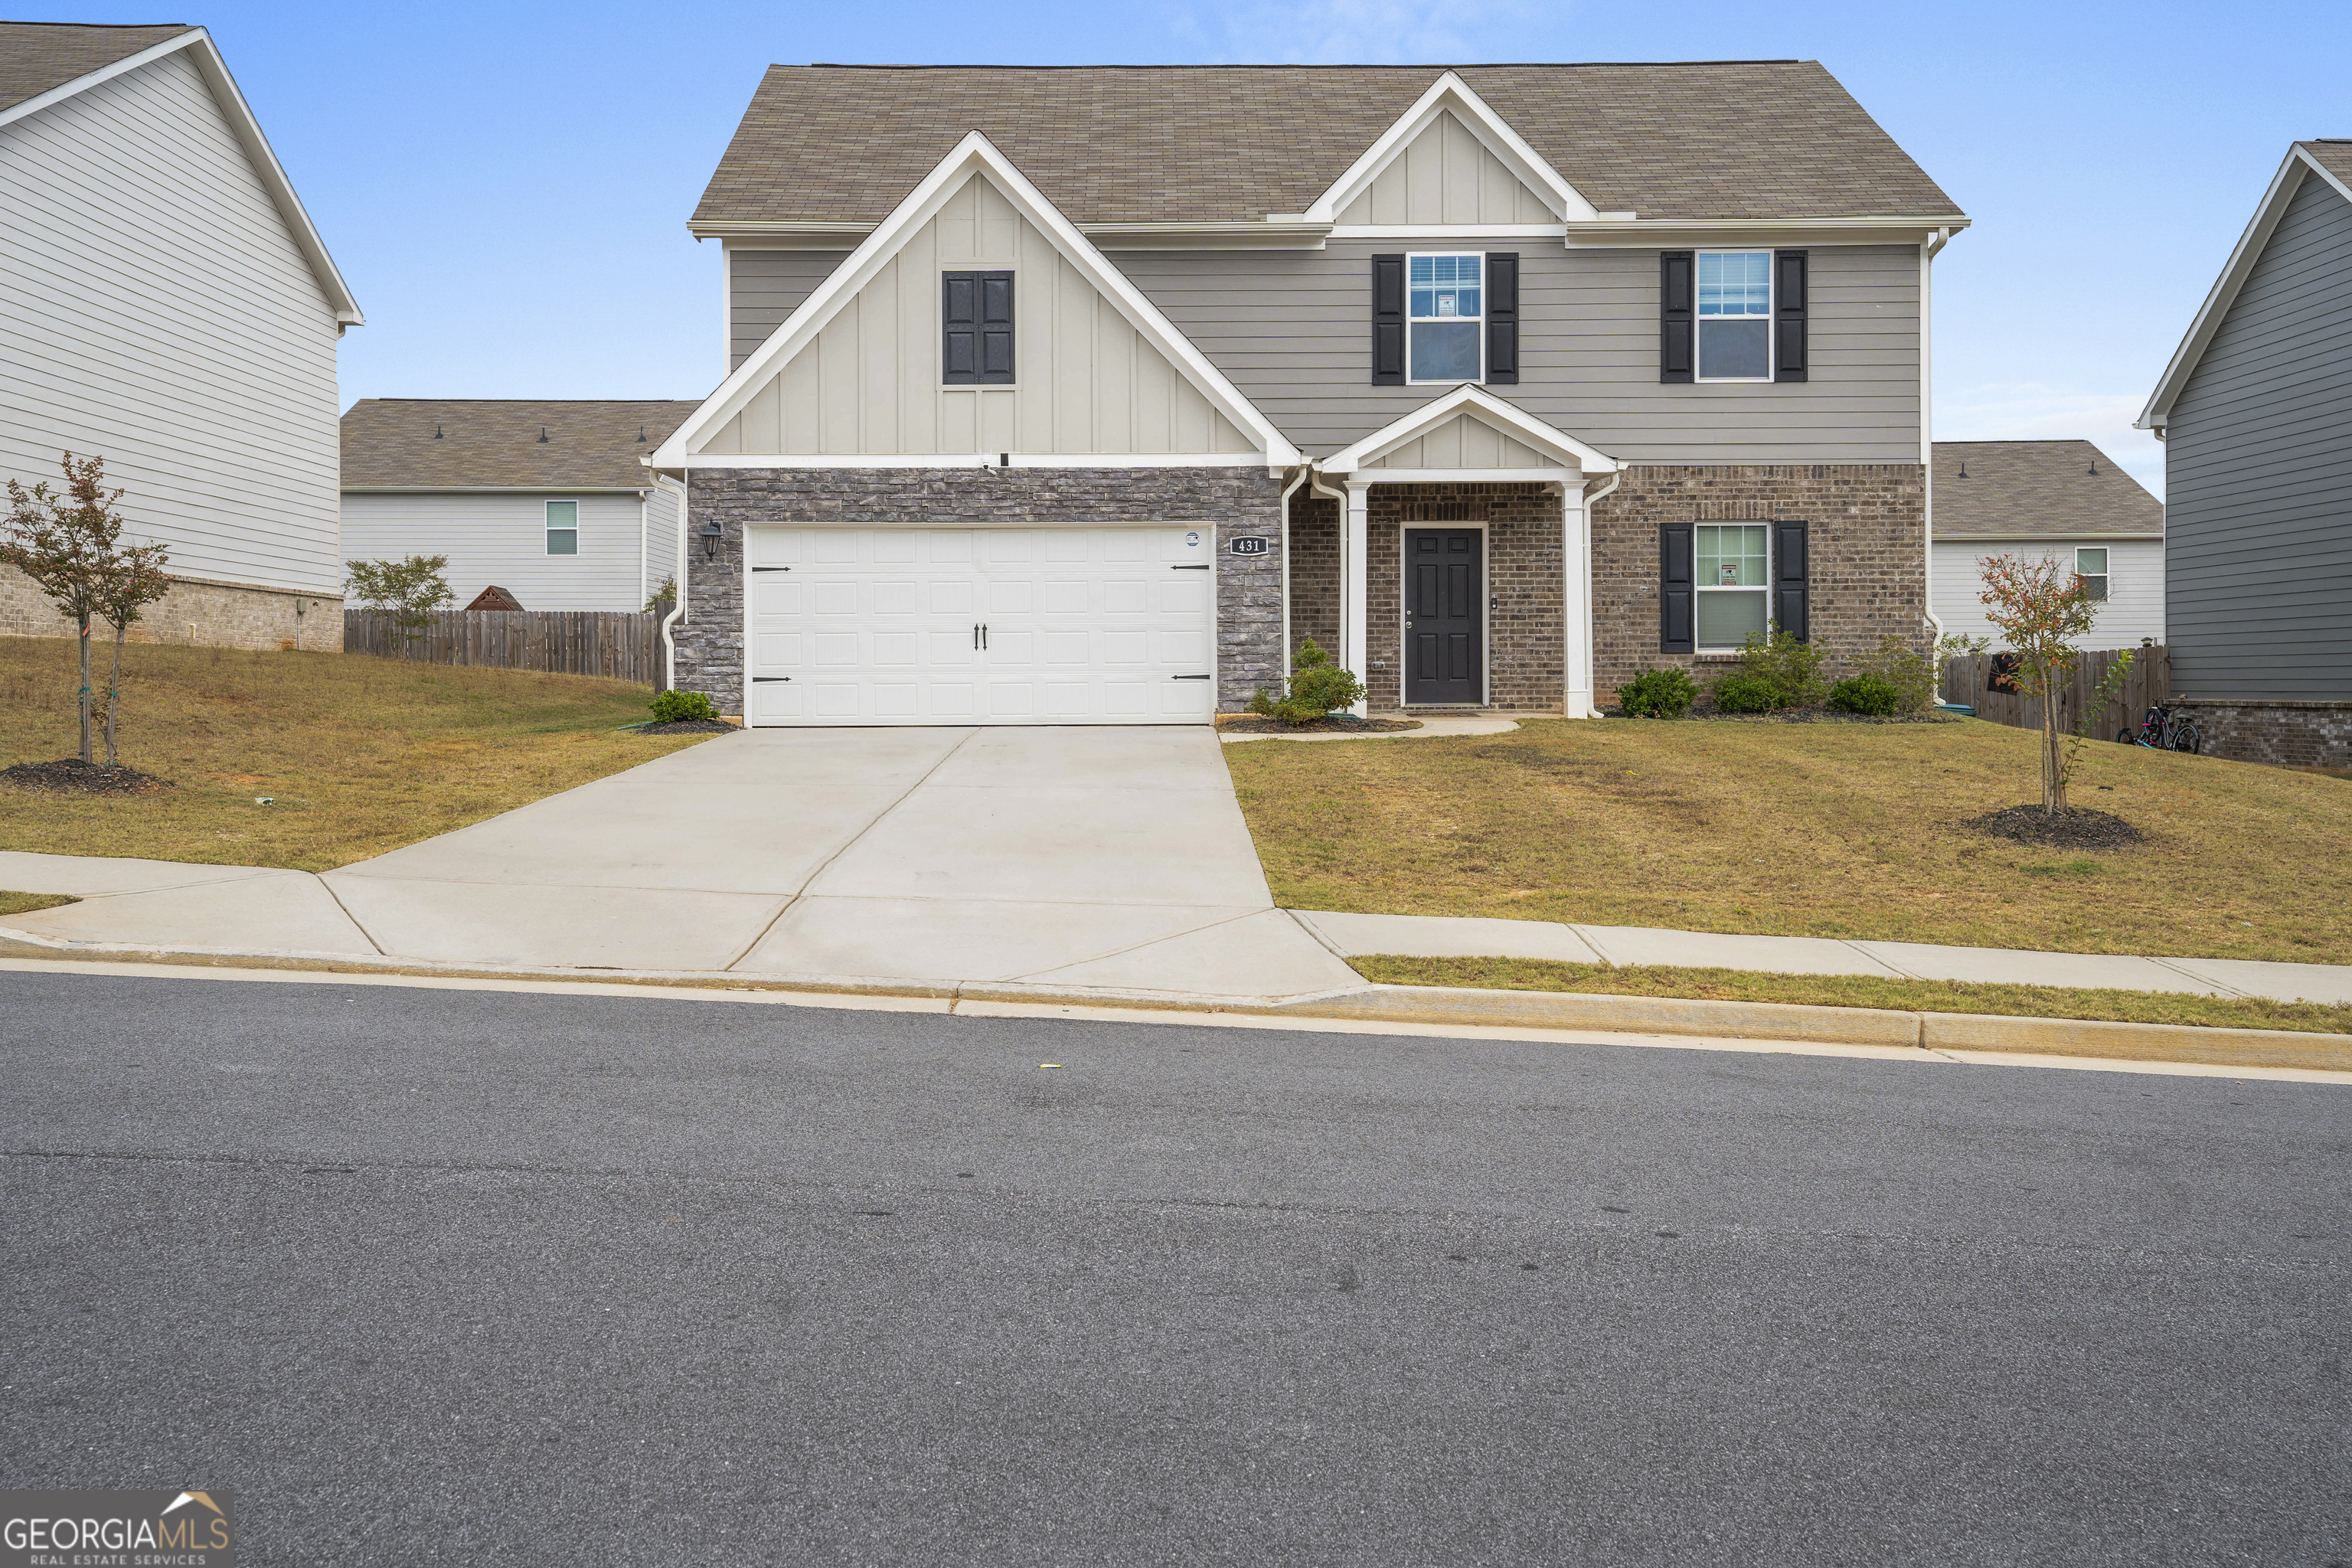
(2090, 566)
(1735, 315)
(563, 528)
(1732, 588)
(1446, 318)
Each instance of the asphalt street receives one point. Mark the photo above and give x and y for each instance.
(433, 1276)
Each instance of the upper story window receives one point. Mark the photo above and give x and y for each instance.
(1445, 317)
(2090, 566)
(977, 312)
(1732, 590)
(563, 528)
(1735, 315)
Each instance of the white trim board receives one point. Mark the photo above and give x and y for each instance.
(1449, 91)
(976, 460)
(974, 155)
(1509, 418)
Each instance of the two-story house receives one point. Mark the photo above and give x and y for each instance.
(1088, 395)
(167, 305)
(2255, 414)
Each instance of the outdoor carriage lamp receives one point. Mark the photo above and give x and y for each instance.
(711, 534)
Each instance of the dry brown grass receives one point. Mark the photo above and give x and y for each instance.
(1804, 830)
(25, 903)
(359, 755)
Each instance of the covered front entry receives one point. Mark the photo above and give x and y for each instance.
(979, 625)
(1444, 627)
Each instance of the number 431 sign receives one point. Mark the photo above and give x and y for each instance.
(1246, 546)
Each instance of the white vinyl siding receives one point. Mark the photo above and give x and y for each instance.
(494, 538)
(1445, 174)
(661, 536)
(2134, 607)
(155, 311)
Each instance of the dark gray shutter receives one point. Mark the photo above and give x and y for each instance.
(1388, 320)
(1675, 599)
(1502, 318)
(960, 312)
(1790, 598)
(1788, 315)
(996, 329)
(1675, 268)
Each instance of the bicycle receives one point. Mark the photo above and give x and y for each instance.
(2164, 729)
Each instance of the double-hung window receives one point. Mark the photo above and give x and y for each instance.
(2090, 566)
(563, 528)
(1446, 318)
(1735, 315)
(1731, 590)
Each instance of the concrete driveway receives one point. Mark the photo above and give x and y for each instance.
(1095, 857)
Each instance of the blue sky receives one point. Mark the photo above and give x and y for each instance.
(507, 186)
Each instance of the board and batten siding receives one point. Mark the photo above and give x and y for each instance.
(2258, 474)
(1463, 442)
(1085, 381)
(2135, 603)
(1445, 174)
(501, 538)
(765, 288)
(1292, 330)
(155, 311)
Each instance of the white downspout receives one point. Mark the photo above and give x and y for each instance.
(677, 610)
(1936, 242)
(1289, 488)
(1588, 500)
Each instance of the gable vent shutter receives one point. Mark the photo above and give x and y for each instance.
(1788, 315)
(996, 329)
(1502, 318)
(960, 312)
(1674, 314)
(1388, 320)
(1790, 598)
(1675, 598)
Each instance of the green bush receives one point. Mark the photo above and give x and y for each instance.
(1869, 693)
(1790, 668)
(1317, 687)
(1904, 667)
(1658, 694)
(682, 706)
(1742, 693)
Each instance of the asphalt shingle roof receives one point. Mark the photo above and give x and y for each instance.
(2333, 153)
(1739, 139)
(2044, 490)
(493, 444)
(36, 57)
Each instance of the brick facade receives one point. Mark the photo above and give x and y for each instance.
(2282, 733)
(1868, 543)
(194, 611)
(1314, 571)
(1526, 577)
(1235, 501)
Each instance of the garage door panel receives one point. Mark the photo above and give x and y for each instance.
(901, 648)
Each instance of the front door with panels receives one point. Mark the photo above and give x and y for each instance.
(1011, 625)
(1444, 615)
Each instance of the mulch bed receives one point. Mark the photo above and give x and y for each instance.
(685, 727)
(2077, 827)
(71, 776)
(1330, 724)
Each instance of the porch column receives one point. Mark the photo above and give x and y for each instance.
(1576, 600)
(1354, 594)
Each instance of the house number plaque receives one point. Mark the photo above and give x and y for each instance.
(1246, 546)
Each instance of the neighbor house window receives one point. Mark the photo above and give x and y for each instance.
(2090, 566)
(1730, 583)
(1445, 317)
(563, 528)
(1735, 315)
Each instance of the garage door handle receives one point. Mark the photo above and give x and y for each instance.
(763, 679)
(1189, 569)
(1188, 678)
(770, 568)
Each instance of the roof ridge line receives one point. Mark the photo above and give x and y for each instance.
(1252, 66)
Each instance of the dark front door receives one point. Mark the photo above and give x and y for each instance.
(1444, 615)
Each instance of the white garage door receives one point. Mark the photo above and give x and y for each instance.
(983, 625)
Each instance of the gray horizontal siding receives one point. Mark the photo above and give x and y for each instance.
(502, 539)
(765, 288)
(2258, 474)
(1292, 330)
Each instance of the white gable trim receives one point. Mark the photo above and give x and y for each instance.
(975, 154)
(1513, 421)
(248, 130)
(1448, 91)
(2241, 266)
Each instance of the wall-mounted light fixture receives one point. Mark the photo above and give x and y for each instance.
(711, 534)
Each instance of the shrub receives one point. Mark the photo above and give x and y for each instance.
(1743, 693)
(1790, 668)
(1317, 687)
(411, 588)
(1869, 693)
(1658, 694)
(664, 599)
(1902, 666)
(682, 707)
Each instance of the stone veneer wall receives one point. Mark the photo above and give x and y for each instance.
(194, 611)
(2301, 734)
(1236, 500)
(1526, 573)
(1868, 544)
(1314, 571)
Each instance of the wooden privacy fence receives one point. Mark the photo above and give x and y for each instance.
(617, 645)
(2150, 681)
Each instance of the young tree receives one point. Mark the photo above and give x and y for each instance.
(67, 544)
(2040, 608)
(136, 582)
(412, 589)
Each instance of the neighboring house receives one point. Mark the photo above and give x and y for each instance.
(547, 500)
(2255, 414)
(2060, 498)
(166, 305)
(1087, 395)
